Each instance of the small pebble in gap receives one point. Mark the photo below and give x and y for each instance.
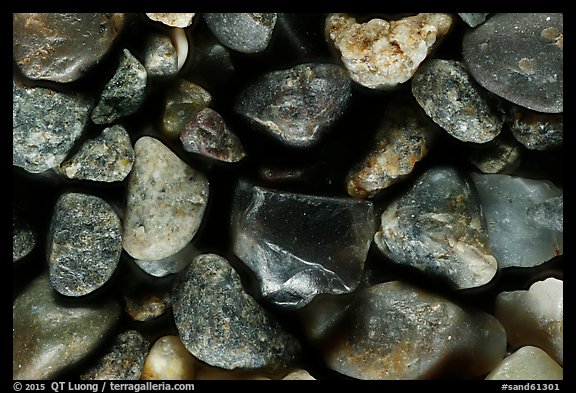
(183, 101)
(299, 246)
(438, 227)
(62, 47)
(526, 364)
(207, 134)
(380, 54)
(166, 199)
(84, 244)
(124, 93)
(45, 126)
(519, 57)
(178, 19)
(168, 359)
(452, 99)
(297, 105)
(535, 317)
(107, 158)
(160, 57)
(403, 139)
(244, 32)
(473, 19)
(147, 306)
(49, 335)
(125, 360)
(515, 239)
(23, 235)
(535, 130)
(222, 325)
(395, 331)
(548, 214)
(500, 155)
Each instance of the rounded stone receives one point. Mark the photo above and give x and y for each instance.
(243, 32)
(175, 19)
(535, 130)
(168, 359)
(23, 236)
(527, 363)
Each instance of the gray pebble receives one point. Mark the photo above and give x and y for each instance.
(23, 236)
(473, 19)
(535, 130)
(243, 32)
(160, 57)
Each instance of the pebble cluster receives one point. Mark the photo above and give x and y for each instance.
(276, 196)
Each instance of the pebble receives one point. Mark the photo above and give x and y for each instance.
(447, 93)
(403, 139)
(160, 57)
(500, 155)
(84, 244)
(296, 105)
(243, 32)
(222, 325)
(382, 54)
(166, 200)
(23, 235)
(125, 360)
(321, 314)
(548, 214)
(515, 239)
(178, 19)
(168, 359)
(124, 93)
(438, 227)
(62, 47)
(107, 158)
(208, 135)
(147, 306)
(49, 334)
(473, 19)
(171, 264)
(527, 363)
(211, 63)
(298, 245)
(535, 130)
(299, 375)
(182, 102)
(396, 331)
(519, 57)
(45, 126)
(535, 317)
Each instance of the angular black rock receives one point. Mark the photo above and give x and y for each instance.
(298, 245)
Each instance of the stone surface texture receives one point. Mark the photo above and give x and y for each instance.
(473, 19)
(527, 363)
(182, 102)
(160, 58)
(501, 155)
(535, 130)
(23, 236)
(244, 32)
(175, 19)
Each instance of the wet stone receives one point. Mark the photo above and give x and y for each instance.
(519, 57)
(168, 359)
(396, 331)
(84, 244)
(500, 155)
(515, 238)
(222, 325)
(124, 93)
(208, 135)
(183, 101)
(50, 335)
(473, 19)
(535, 317)
(160, 57)
(403, 139)
(536, 131)
(166, 200)
(296, 105)
(243, 32)
(23, 236)
(548, 214)
(45, 126)
(452, 99)
(107, 158)
(147, 306)
(527, 363)
(62, 47)
(382, 54)
(298, 245)
(437, 227)
(172, 19)
(125, 360)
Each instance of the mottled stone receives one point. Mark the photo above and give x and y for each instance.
(535, 130)
(548, 214)
(299, 375)
(296, 105)
(244, 32)
(207, 134)
(527, 363)
(222, 325)
(48, 334)
(380, 54)
(298, 245)
(535, 317)
(174, 19)
(473, 19)
(166, 200)
(107, 158)
(124, 93)
(23, 236)
(402, 140)
(171, 264)
(519, 57)
(62, 47)
(147, 306)
(84, 244)
(437, 227)
(515, 239)
(500, 155)
(452, 99)
(124, 361)
(45, 126)
(183, 101)
(396, 331)
(160, 57)
(168, 359)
